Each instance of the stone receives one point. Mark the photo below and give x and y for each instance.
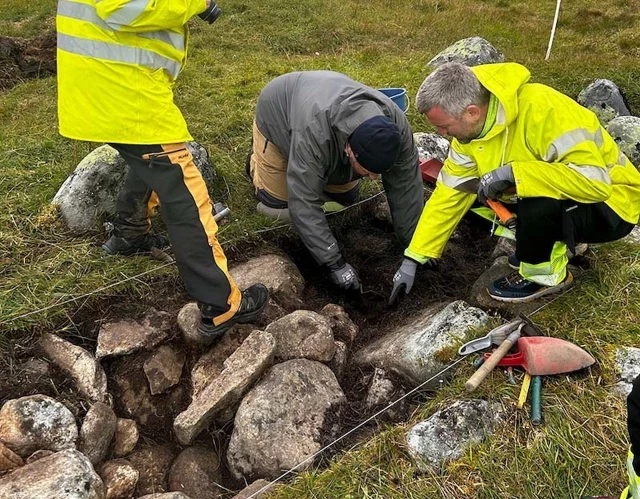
(211, 364)
(472, 51)
(188, 320)
(341, 324)
(8, 459)
(126, 336)
(605, 99)
(303, 334)
(381, 390)
(284, 419)
(126, 437)
(241, 370)
(64, 475)
(448, 433)
(33, 370)
(431, 146)
(251, 492)
(196, 472)
(634, 236)
(37, 422)
(627, 362)
(279, 274)
(152, 463)
(119, 478)
(97, 431)
(86, 371)
(625, 130)
(167, 495)
(381, 211)
(164, 368)
(411, 351)
(39, 454)
(90, 192)
(132, 396)
(338, 364)
(504, 247)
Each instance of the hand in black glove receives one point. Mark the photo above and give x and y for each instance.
(344, 275)
(495, 182)
(211, 13)
(406, 276)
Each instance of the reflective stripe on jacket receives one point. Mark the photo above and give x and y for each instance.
(117, 64)
(557, 149)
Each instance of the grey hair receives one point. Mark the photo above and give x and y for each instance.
(452, 87)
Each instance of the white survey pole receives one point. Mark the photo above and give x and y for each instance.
(553, 31)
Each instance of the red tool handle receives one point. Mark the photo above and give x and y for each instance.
(513, 359)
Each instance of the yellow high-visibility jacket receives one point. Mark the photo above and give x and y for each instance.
(557, 149)
(117, 63)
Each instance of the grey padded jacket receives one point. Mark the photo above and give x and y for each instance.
(309, 116)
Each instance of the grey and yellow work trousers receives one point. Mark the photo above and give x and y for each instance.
(166, 175)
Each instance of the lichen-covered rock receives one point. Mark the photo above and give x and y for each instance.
(120, 479)
(410, 351)
(284, 419)
(64, 475)
(431, 146)
(37, 422)
(303, 334)
(625, 130)
(604, 98)
(125, 336)
(163, 368)
(153, 463)
(381, 390)
(449, 432)
(85, 370)
(126, 437)
(91, 191)
(196, 472)
(97, 432)
(627, 361)
(341, 324)
(469, 51)
(279, 274)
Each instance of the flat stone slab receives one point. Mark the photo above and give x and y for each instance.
(127, 336)
(164, 368)
(86, 371)
(241, 370)
(64, 475)
(410, 351)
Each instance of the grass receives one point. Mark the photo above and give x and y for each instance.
(383, 43)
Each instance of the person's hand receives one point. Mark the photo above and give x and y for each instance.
(405, 277)
(495, 182)
(344, 276)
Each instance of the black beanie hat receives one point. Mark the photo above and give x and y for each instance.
(376, 144)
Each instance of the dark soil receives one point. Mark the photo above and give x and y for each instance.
(22, 59)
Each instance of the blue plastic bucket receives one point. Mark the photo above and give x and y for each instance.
(397, 95)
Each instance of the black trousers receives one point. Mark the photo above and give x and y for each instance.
(544, 221)
(633, 423)
(169, 171)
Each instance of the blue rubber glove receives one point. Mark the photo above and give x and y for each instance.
(495, 182)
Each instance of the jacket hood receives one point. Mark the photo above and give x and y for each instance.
(504, 81)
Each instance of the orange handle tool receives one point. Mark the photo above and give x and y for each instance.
(506, 217)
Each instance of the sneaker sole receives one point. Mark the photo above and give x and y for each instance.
(547, 290)
(581, 249)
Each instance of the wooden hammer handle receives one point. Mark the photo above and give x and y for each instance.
(491, 362)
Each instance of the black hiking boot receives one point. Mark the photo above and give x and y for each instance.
(514, 288)
(140, 245)
(254, 300)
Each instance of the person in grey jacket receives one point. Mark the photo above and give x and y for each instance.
(315, 135)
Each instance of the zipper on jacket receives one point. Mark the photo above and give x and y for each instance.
(152, 156)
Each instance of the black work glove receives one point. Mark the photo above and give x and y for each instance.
(406, 276)
(344, 275)
(495, 182)
(212, 13)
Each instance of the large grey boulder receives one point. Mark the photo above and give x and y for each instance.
(303, 334)
(431, 146)
(410, 351)
(604, 98)
(91, 191)
(241, 370)
(449, 432)
(627, 361)
(470, 52)
(37, 422)
(126, 336)
(284, 419)
(85, 370)
(97, 431)
(625, 130)
(278, 273)
(64, 475)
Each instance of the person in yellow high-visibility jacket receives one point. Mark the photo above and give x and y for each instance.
(529, 145)
(117, 63)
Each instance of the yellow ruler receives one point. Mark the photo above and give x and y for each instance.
(524, 391)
